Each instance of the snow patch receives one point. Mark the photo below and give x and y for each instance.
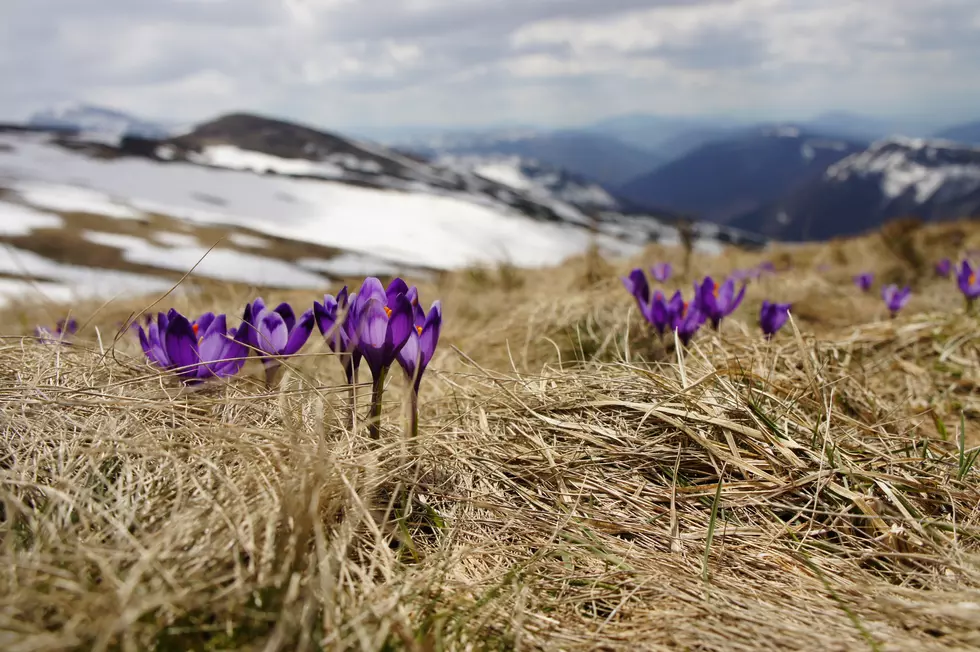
(248, 241)
(542, 183)
(234, 158)
(13, 289)
(349, 265)
(74, 281)
(16, 219)
(220, 264)
(115, 240)
(171, 239)
(74, 199)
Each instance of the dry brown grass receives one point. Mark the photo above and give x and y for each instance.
(576, 486)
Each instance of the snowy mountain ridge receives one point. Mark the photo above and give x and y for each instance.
(920, 166)
(97, 122)
(930, 179)
(528, 175)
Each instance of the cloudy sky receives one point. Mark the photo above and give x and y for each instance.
(469, 62)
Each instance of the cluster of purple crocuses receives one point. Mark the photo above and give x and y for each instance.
(895, 298)
(710, 302)
(378, 325)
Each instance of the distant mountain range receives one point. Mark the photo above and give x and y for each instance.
(725, 178)
(968, 133)
(637, 172)
(601, 158)
(898, 177)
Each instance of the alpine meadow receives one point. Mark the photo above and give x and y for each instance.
(568, 474)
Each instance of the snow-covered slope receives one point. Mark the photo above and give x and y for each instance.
(916, 168)
(331, 206)
(381, 230)
(414, 228)
(895, 177)
(541, 181)
(97, 122)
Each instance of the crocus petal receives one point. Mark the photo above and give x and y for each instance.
(288, 316)
(211, 350)
(203, 323)
(373, 334)
(158, 351)
(181, 345)
(396, 287)
(659, 315)
(400, 325)
(144, 342)
(726, 293)
(409, 357)
(234, 354)
(299, 334)
(636, 284)
(325, 314)
(371, 288)
(429, 338)
(272, 332)
(738, 300)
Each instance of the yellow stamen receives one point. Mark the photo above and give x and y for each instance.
(419, 329)
(387, 311)
(972, 279)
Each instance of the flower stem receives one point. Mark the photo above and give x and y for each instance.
(271, 369)
(377, 391)
(352, 393)
(415, 415)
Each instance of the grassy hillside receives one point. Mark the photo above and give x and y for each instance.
(575, 484)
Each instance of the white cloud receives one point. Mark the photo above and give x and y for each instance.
(361, 62)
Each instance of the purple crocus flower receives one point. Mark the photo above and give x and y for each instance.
(966, 279)
(196, 351)
(864, 281)
(687, 321)
(384, 321)
(661, 272)
(275, 332)
(64, 330)
(636, 284)
(339, 334)
(944, 267)
(894, 298)
(716, 302)
(661, 313)
(423, 338)
(773, 316)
